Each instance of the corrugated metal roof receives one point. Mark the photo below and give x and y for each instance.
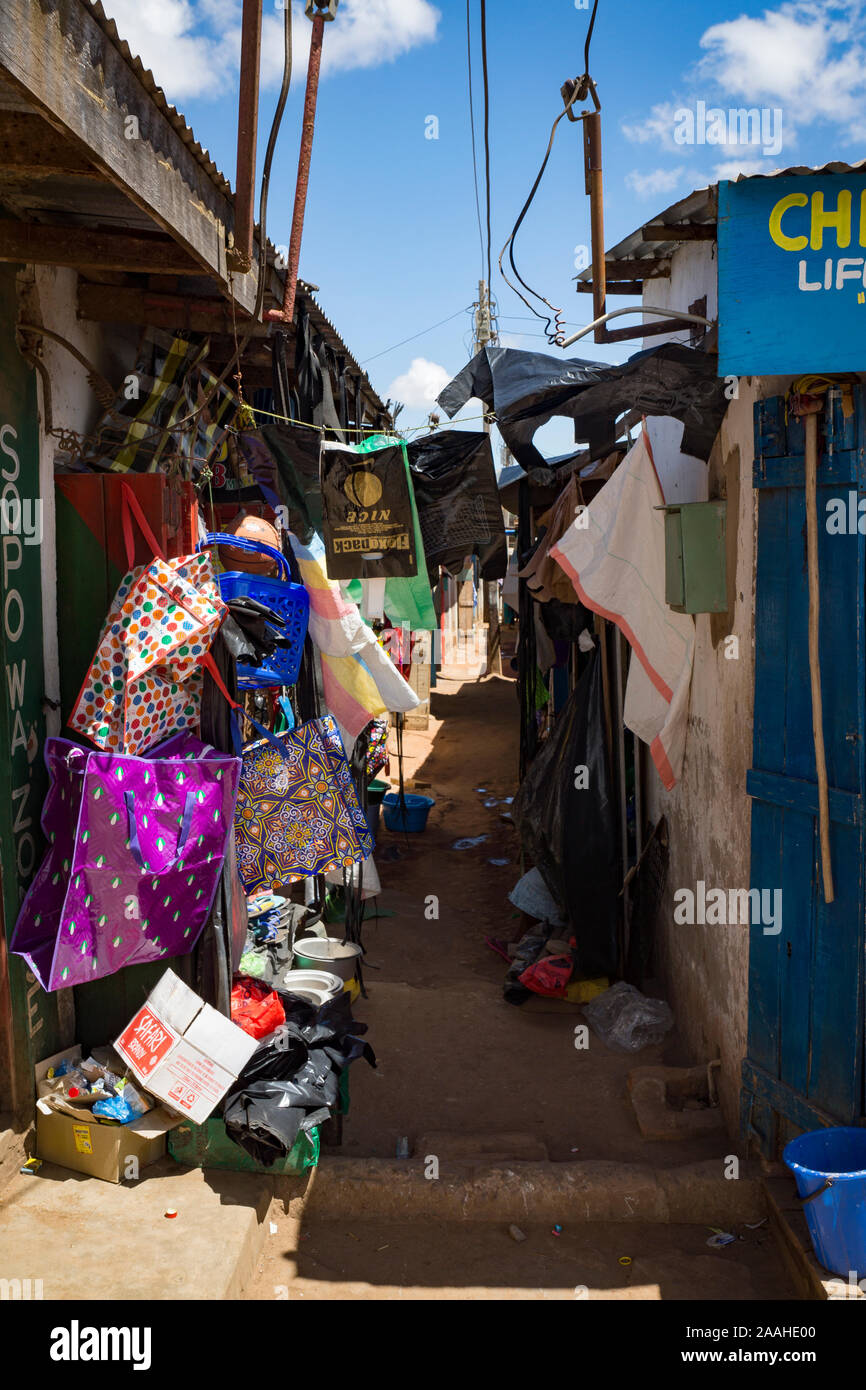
(149, 82)
(700, 206)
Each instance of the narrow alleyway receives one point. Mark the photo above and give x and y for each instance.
(454, 1057)
(471, 1079)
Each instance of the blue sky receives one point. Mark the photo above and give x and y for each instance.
(391, 235)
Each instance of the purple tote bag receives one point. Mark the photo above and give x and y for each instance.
(136, 848)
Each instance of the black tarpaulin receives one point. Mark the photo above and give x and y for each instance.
(458, 501)
(565, 816)
(526, 389)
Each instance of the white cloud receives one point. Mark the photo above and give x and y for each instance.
(420, 385)
(168, 38)
(646, 185)
(656, 128)
(732, 168)
(805, 56)
(193, 46)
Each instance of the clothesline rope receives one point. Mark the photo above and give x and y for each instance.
(393, 431)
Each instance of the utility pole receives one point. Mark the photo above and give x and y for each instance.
(485, 332)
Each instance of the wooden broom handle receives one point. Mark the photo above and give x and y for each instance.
(811, 424)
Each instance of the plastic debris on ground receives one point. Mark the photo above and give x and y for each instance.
(627, 1020)
(469, 843)
(531, 895)
(499, 863)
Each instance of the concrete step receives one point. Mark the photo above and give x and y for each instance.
(590, 1191)
(87, 1239)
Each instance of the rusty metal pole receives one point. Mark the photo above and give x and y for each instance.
(286, 314)
(240, 257)
(592, 160)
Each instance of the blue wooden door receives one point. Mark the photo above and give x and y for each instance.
(804, 1065)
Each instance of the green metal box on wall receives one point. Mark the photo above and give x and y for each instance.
(695, 560)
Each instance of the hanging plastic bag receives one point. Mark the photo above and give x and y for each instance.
(145, 680)
(136, 849)
(297, 810)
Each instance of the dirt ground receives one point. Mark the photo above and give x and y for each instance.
(456, 1060)
(372, 1260)
(453, 1055)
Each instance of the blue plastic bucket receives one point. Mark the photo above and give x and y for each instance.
(417, 811)
(831, 1163)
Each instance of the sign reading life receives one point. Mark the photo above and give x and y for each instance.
(792, 275)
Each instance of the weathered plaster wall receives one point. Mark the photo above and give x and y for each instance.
(705, 968)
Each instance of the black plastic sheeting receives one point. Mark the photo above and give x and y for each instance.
(569, 830)
(526, 389)
(291, 1082)
(458, 501)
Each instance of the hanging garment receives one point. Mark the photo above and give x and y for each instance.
(564, 813)
(546, 579)
(136, 850)
(367, 515)
(458, 501)
(297, 812)
(145, 681)
(377, 746)
(360, 680)
(617, 566)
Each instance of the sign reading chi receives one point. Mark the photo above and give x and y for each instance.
(792, 275)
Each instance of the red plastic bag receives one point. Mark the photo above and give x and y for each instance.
(256, 1009)
(549, 976)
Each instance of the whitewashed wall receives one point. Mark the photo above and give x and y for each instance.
(705, 968)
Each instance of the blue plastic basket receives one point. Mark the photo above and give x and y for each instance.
(417, 810)
(291, 601)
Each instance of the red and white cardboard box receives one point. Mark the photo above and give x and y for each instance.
(183, 1051)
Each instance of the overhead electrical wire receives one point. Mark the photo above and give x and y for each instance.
(486, 84)
(472, 130)
(553, 335)
(411, 339)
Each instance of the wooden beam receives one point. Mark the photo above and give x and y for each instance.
(679, 231)
(644, 269)
(645, 330)
(85, 249)
(613, 287)
(110, 304)
(63, 62)
(30, 148)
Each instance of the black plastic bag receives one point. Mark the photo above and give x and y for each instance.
(526, 389)
(565, 815)
(458, 501)
(367, 522)
(292, 1080)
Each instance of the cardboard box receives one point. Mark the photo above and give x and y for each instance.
(182, 1051)
(75, 1139)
